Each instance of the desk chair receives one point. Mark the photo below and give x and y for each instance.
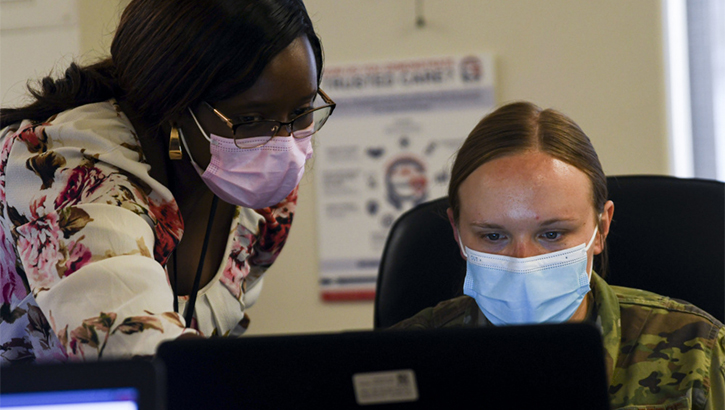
(667, 236)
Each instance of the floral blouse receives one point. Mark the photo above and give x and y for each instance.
(85, 234)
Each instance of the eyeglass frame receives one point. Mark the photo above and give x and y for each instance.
(288, 124)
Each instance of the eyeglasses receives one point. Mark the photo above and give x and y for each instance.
(257, 132)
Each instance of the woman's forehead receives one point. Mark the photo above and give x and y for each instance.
(291, 76)
(529, 185)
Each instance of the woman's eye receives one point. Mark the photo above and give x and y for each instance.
(301, 111)
(250, 118)
(492, 236)
(552, 235)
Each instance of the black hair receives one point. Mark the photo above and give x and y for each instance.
(167, 55)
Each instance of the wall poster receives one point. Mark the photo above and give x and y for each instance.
(388, 147)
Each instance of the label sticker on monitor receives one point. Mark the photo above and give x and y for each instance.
(393, 386)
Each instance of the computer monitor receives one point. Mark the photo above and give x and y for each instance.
(115, 385)
(547, 366)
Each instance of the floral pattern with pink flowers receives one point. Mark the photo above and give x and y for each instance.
(72, 210)
(80, 183)
(169, 228)
(38, 245)
(43, 240)
(4, 157)
(11, 285)
(46, 255)
(236, 268)
(275, 229)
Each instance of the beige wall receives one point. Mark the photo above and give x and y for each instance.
(98, 21)
(601, 62)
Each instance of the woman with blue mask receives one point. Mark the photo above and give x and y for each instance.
(144, 196)
(529, 210)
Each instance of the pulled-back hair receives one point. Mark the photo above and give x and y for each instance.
(167, 55)
(520, 127)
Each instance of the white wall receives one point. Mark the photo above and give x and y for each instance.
(600, 62)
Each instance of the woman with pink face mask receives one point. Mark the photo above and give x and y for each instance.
(144, 196)
(529, 210)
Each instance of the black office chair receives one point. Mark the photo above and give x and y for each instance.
(667, 236)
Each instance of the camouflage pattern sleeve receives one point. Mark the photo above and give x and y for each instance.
(670, 357)
(421, 321)
(717, 374)
(458, 312)
(661, 353)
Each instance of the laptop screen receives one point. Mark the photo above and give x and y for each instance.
(556, 366)
(98, 399)
(113, 385)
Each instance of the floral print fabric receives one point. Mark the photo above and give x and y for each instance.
(85, 234)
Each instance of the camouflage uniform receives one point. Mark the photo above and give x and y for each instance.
(665, 355)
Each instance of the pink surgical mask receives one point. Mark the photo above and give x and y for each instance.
(254, 177)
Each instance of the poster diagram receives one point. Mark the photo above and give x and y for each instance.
(388, 147)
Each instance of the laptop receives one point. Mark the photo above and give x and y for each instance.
(517, 367)
(120, 385)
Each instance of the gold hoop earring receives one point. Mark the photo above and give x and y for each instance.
(174, 144)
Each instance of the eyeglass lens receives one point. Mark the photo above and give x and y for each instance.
(308, 123)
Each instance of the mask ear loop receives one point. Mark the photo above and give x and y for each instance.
(591, 242)
(594, 236)
(198, 125)
(460, 244)
(188, 151)
(596, 229)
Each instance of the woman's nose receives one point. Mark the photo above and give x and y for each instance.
(284, 130)
(524, 249)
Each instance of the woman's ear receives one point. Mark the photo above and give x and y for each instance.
(604, 224)
(456, 234)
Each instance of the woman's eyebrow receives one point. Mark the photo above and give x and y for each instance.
(258, 105)
(557, 220)
(311, 96)
(486, 225)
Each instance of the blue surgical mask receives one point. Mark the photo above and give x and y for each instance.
(546, 288)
